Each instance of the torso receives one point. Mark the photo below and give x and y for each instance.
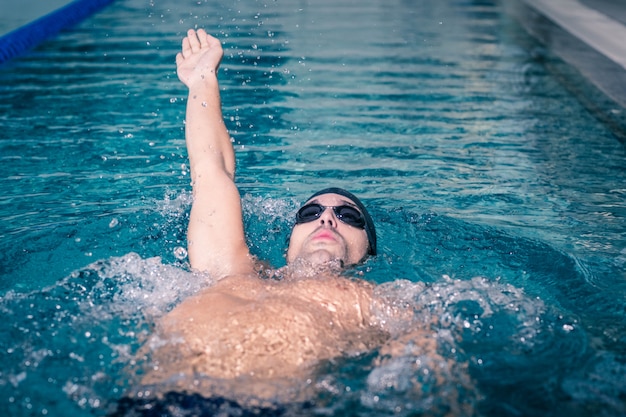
(247, 326)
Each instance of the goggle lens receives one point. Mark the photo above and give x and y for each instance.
(346, 214)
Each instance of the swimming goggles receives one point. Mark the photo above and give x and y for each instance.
(347, 214)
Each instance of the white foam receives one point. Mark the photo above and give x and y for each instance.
(145, 287)
(273, 208)
(427, 371)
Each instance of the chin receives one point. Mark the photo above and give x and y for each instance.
(322, 257)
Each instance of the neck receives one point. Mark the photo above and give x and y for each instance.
(304, 269)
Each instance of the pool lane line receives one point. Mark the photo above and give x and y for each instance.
(27, 37)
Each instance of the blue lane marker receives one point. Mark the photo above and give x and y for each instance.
(32, 34)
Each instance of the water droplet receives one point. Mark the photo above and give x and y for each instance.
(180, 252)
(114, 222)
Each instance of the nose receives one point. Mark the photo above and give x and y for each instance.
(327, 218)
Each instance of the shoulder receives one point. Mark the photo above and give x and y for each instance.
(227, 294)
(242, 285)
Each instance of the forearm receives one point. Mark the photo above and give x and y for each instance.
(208, 142)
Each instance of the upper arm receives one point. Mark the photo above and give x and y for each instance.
(216, 238)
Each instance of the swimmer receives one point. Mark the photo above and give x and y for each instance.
(251, 335)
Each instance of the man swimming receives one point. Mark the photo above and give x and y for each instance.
(251, 336)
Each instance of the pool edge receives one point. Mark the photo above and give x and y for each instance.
(587, 40)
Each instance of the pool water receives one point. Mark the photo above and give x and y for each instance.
(500, 201)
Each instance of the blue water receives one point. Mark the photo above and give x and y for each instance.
(477, 163)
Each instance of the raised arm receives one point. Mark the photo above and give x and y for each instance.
(215, 235)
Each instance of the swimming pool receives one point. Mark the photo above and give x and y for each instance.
(475, 160)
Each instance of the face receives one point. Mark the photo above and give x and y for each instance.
(327, 238)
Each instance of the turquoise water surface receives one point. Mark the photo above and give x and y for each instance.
(499, 199)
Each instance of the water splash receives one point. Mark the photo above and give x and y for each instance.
(67, 345)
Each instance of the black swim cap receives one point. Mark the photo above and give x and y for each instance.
(369, 223)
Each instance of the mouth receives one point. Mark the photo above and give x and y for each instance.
(324, 235)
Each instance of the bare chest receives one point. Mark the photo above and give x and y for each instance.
(275, 325)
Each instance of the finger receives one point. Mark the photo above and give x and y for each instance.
(213, 42)
(193, 40)
(186, 48)
(204, 38)
(179, 59)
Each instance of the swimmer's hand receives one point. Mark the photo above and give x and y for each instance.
(199, 59)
